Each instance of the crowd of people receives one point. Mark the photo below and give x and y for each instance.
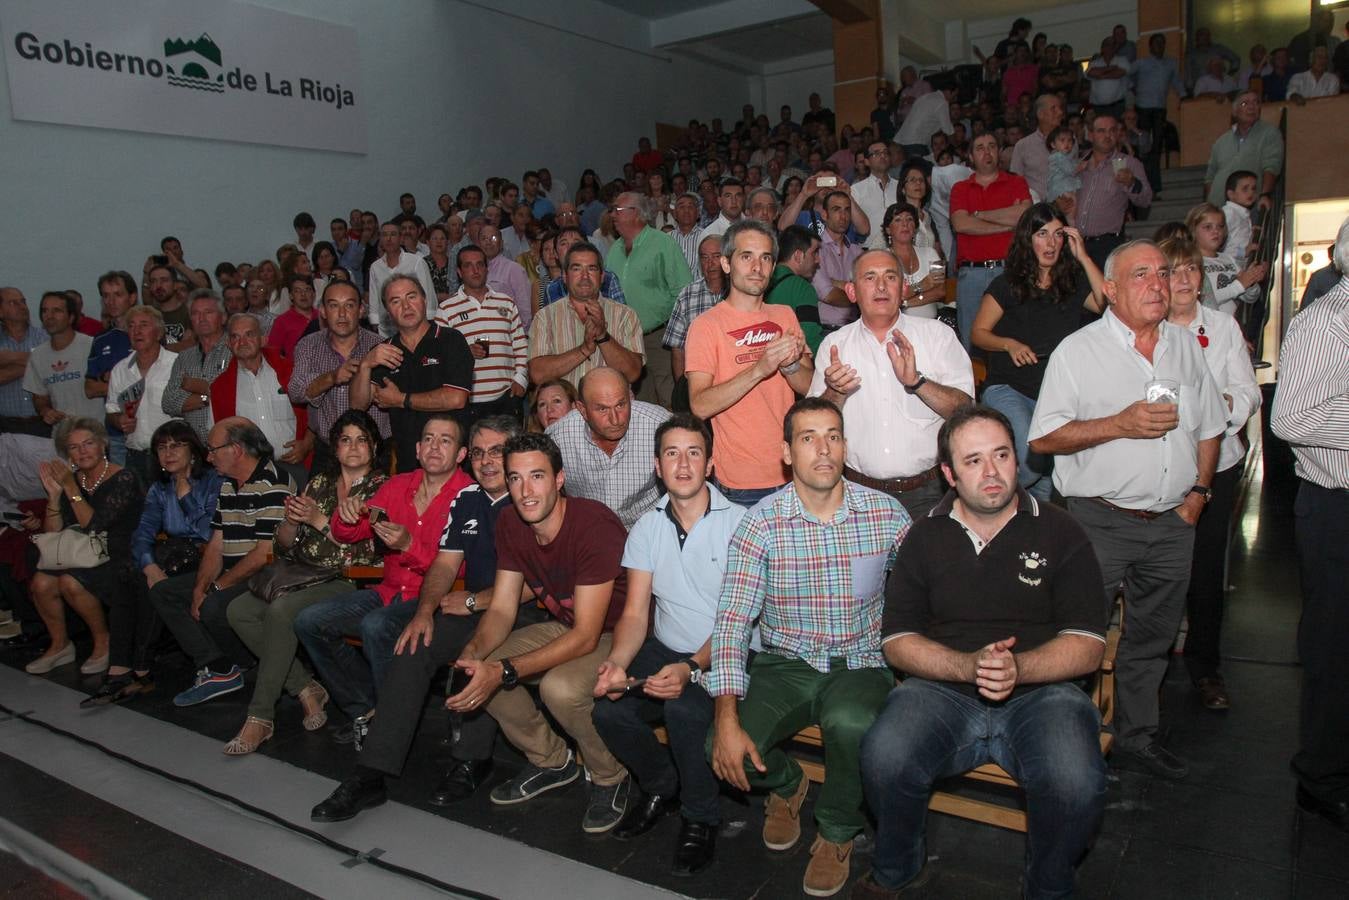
(702, 445)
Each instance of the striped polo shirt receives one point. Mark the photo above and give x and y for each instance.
(251, 511)
(495, 319)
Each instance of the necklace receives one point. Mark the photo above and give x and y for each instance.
(101, 475)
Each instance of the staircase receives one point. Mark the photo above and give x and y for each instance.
(1182, 189)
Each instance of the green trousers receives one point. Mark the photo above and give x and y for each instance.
(786, 695)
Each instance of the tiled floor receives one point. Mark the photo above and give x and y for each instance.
(1230, 830)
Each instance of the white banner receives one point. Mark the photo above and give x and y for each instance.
(222, 70)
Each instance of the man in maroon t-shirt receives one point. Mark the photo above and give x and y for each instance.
(568, 551)
(984, 210)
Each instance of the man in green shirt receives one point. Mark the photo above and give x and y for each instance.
(1250, 144)
(798, 258)
(652, 270)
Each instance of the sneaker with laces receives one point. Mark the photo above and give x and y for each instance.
(607, 804)
(534, 780)
(210, 685)
(782, 818)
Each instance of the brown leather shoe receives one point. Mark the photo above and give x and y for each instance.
(782, 818)
(1213, 692)
(830, 866)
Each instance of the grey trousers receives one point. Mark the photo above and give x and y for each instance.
(657, 384)
(1152, 561)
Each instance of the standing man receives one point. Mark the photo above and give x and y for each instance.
(747, 360)
(604, 445)
(118, 292)
(984, 209)
(422, 369)
(188, 393)
(490, 323)
(694, 300)
(506, 276)
(731, 202)
(568, 551)
(17, 340)
(1310, 413)
(991, 613)
(686, 232)
(891, 407)
(391, 261)
(1129, 408)
(161, 292)
(874, 194)
(55, 373)
(1109, 76)
(1030, 156)
(675, 557)
(790, 285)
(327, 361)
(929, 113)
(810, 566)
(134, 404)
(652, 270)
(1111, 183)
(350, 250)
(1154, 77)
(1251, 144)
(837, 254)
(291, 325)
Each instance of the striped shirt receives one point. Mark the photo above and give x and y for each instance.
(496, 320)
(693, 301)
(625, 480)
(193, 363)
(1311, 405)
(816, 588)
(14, 400)
(688, 245)
(558, 329)
(251, 511)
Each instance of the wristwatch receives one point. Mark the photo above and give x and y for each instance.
(695, 671)
(601, 340)
(471, 603)
(407, 401)
(205, 399)
(913, 388)
(1205, 493)
(509, 677)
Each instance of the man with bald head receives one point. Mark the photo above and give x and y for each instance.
(607, 445)
(1130, 410)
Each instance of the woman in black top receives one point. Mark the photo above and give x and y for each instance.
(1027, 310)
(98, 496)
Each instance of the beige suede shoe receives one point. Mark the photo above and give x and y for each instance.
(830, 866)
(782, 818)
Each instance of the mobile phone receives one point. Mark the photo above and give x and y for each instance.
(826, 181)
(376, 513)
(632, 685)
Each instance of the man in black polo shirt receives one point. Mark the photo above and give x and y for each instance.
(993, 611)
(440, 628)
(423, 368)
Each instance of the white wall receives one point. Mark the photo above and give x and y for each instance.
(792, 81)
(464, 91)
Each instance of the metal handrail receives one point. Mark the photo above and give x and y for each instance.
(1270, 238)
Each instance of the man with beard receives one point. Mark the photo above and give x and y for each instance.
(162, 292)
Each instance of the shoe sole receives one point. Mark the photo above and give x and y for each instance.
(601, 829)
(362, 808)
(512, 801)
(822, 892)
(786, 846)
(220, 693)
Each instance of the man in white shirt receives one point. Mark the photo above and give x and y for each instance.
(1030, 156)
(394, 261)
(515, 237)
(1109, 77)
(874, 194)
(892, 409)
(1317, 81)
(929, 113)
(135, 402)
(1130, 410)
(731, 200)
(260, 397)
(939, 203)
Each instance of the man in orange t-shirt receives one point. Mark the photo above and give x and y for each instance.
(746, 361)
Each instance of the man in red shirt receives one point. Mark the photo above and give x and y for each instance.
(406, 517)
(290, 326)
(984, 210)
(646, 159)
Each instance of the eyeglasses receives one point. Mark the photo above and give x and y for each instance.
(477, 454)
(210, 449)
(170, 446)
(618, 209)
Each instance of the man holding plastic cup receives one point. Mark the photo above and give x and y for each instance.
(1129, 408)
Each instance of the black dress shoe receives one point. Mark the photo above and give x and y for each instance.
(643, 812)
(351, 796)
(1159, 761)
(1336, 812)
(461, 781)
(695, 848)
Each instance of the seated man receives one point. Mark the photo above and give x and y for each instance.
(605, 442)
(810, 565)
(440, 627)
(993, 610)
(407, 515)
(252, 504)
(676, 553)
(567, 551)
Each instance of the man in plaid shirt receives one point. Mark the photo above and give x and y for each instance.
(809, 563)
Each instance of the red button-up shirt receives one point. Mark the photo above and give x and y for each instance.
(404, 570)
(971, 196)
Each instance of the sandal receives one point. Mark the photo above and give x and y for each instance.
(241, 747)
(109, 692)
(313, 721)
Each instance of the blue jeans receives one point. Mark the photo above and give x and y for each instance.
(1032, 468)
(971, 284)
(1047, 739)
(746, 497)
(353, 675)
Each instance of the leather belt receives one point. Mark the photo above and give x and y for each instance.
(1144, 514)
(892, 485)
(982, 264)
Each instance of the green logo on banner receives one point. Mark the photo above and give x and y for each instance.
(194, 74)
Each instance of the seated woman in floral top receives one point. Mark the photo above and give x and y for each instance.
(266, 628)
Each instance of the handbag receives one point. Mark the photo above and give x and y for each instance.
(176, 555)
(284, 576)
(70, 548)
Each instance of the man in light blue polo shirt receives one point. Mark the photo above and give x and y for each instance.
(676, 554)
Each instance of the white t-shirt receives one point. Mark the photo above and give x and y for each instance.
(58, 375)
